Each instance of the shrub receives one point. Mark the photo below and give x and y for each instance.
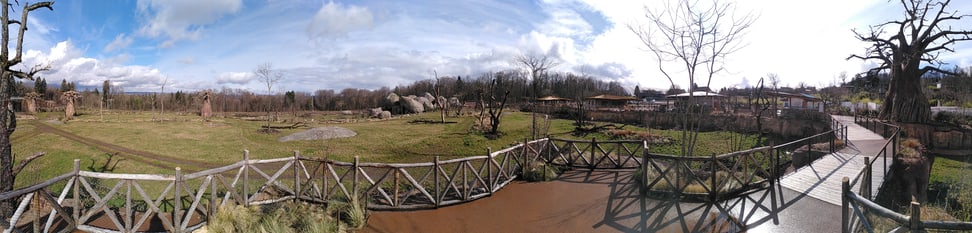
(538, 172)
(286, 217)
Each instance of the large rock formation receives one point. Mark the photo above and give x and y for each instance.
(30, 102)
(411, 104)
(68, 98)
(207, 109)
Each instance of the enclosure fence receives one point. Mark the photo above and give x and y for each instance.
(183, 202)
(859, 213)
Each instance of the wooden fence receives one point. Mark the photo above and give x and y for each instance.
(111, 202)
(859, 213)
(719, 177)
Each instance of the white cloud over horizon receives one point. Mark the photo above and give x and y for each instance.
(371, 44)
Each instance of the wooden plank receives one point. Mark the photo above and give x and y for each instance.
(123, 176)
(32, 188)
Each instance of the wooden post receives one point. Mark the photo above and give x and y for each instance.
(129, 214)
(714, 190)
(177, 202)
(297, 189)
(489, 170)
(246, 177)
(77, 196)
(354, 182)
(435, 178)
(914, 223)
(395, 182)
(212, 196)
(844, 205)
(593, 145)
(523, 166)
(866, 184)
(325, 173)
(644, 166)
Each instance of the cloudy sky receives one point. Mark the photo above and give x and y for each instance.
(373, 43)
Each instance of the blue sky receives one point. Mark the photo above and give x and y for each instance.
(368, 44)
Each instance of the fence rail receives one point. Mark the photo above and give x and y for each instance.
(858, 210)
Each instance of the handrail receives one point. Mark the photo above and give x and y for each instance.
(858, 204)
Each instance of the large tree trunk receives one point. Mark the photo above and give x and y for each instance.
(904, 101)
(7, 122)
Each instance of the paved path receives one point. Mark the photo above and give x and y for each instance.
(821, 179)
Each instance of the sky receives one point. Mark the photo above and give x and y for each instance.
(193, 45)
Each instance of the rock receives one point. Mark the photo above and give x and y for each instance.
(411, 105)
(347, 112)
(385, 115)
(426, 103)
(392, 98)
(319, 133)
(374, 112)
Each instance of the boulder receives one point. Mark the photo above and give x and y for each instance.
(411, 105)
(374, 112)
(385, 115)
(426, 103)
(392, 98)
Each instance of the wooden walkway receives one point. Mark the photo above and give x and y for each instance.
(821, 179)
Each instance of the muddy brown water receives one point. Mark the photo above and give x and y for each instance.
(579, 201)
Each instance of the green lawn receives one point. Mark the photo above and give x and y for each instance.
(951, 185)
(222, 141)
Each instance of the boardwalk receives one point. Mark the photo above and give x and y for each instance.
(821, 179)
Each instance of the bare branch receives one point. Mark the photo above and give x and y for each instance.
(23, 163)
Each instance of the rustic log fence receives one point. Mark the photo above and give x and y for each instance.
(859, 213)
(113, 202)
(720, 177)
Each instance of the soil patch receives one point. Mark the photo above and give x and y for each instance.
(319, 133)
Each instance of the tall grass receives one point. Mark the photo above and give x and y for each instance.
(282, 217)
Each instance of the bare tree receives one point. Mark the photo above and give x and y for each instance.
(267, 75)
(923, 35)
(162, 99)
(436, 91)
(492, 108)
(8, 121)
(538, 66)
(695, 37)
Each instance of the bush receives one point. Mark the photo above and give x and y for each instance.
(538, 172)
(285, 217)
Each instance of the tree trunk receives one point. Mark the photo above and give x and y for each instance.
(904, 101)
(7, 123)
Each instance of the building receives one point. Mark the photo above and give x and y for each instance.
(708, 100)
(800, 101)
(610, 102)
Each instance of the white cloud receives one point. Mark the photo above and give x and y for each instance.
(239, 78)
(336, 20)
(68, 63)
(121, 41)
(182, 19)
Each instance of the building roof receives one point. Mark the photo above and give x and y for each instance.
(612, 98)
(696, 94)
(797, 95)
(552, 98)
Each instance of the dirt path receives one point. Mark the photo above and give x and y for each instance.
(155, 160)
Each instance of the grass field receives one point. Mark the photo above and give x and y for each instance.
(950, 185)
(222, 141)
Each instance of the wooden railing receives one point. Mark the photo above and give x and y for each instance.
(111, 202)
(717, 177)
(859, 213)
(594, 154)
(92, 201)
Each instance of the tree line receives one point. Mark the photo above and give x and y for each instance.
(465, 88)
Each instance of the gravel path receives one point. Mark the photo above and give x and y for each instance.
(319, 133)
